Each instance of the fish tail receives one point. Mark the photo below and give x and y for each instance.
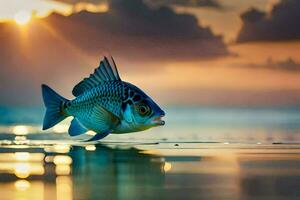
(54, 107)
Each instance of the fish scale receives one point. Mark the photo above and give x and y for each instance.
(109, 95)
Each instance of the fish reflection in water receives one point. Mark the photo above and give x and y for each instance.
(116, 173)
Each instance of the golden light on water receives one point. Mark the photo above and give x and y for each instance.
(62, 160)
(20, 130)
(64, 189)
(22, 156)
(59, 148)
(62, 163)
(28, 167)
(59, 159)
(22, 185)
(22, 164)
(20, 138)
(63, 169)
(22, 170)
(167, 166)
(22, 17)
(90, 147)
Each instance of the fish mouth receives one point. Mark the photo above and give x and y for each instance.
(157, 121)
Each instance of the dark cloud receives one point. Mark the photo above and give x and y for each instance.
(187, 3)
(159, 32)
(80, 1)
(282, 23)
(285, 65)
(57, 49)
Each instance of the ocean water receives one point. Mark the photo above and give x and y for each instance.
(149, 171)
(189, 124)
(201, 153)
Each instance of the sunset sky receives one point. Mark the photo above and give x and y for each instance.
(191, 52)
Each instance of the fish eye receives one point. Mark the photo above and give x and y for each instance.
(144, 110)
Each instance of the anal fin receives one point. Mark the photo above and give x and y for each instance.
(98, 136)
(76, 128)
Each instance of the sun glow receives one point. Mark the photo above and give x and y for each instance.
(22, 11)
(22, 17)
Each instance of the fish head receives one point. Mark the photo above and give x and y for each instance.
(141, 111)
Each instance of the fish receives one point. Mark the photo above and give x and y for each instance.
(104, 104)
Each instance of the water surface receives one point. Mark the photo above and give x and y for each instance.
(201, 153)
(150, 171)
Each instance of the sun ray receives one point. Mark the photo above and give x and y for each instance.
(21, 11)
(71, 47)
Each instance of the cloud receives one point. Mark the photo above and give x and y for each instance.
(284, 65)
(228, 97)
(57, 49)
(187, 3)
(80, 1)
(282, 23)
(132, 28)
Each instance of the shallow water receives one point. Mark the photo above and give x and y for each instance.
(201, 153)
(114, 170)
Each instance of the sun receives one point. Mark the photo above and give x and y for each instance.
(22, 17)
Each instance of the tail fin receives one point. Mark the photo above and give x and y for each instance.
(54, 107)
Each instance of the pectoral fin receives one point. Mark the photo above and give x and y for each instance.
(103, 120)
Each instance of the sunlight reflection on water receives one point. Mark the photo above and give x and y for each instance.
(30, 172)
(147, 170)
(22, 185)
(20, 130)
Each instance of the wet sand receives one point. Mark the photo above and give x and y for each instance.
(155, 170)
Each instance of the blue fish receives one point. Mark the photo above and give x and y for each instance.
(104, 104)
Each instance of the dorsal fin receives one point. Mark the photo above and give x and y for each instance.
(105, 72)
